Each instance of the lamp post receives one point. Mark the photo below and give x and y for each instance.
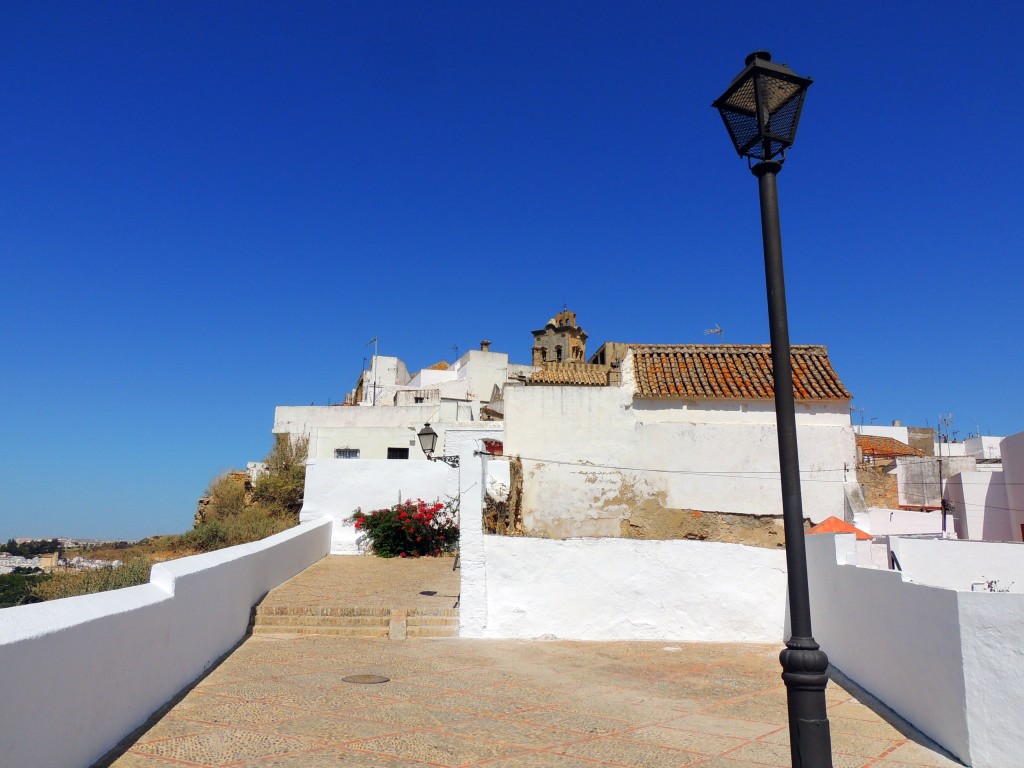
(428, 442)
(761, 109)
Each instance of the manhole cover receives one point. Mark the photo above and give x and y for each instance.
(366, 679)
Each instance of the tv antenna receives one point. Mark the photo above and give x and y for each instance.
(374, 341)
(717, 330)
(455, 348)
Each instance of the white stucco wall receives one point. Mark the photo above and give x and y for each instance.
(950, 662)
(1012, 450)
(981, 507)
(591, 454)
(626, 589)
(337, 487)
(890, 522)
(371, 430)
(83, 672)
(958, 565)
(898, 640)
(896, 433)
(983, 447)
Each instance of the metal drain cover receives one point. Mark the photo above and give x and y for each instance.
(366, 679)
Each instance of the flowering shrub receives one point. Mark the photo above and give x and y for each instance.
(410, 529)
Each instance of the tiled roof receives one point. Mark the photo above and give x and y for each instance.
(441, 366)
(571, 374)
(835, 525)
(715, 371)
(871, 445)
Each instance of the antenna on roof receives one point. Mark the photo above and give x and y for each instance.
(455, 349)
(716, 330)
(375, 340)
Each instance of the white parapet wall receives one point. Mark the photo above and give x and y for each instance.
(627, 589)
(950, 661)
(84, 672)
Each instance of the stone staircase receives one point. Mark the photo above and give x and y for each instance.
(355, 621)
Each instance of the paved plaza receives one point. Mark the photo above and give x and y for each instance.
(281, 701)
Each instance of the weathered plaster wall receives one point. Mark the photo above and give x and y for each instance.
(81, 673)
(981, 506)
(593, 458)
(917, 477)
(336, 487)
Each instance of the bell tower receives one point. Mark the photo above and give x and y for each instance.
(560, 341)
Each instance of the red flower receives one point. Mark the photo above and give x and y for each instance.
(402, 554)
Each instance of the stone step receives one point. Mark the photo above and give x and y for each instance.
(321, 610)
(364, 632)
(321, 621)
(447, 631)
(433, 621)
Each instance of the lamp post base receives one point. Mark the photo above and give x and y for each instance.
(805, 673)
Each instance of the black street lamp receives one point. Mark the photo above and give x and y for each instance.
(761, 109)
(428, 442)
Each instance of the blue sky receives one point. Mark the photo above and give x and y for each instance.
(207, 209)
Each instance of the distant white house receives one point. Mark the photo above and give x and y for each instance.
(989, 505)
(388, 407)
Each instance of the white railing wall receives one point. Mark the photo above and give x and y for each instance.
(82, 673)
(949, 661)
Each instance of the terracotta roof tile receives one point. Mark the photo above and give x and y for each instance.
(570, 374)
(441, 366)
(872, 445)
(835, 525)
(715, 371)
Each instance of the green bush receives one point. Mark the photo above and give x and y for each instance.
(72, 583)
(227, 496)
(410, 529)
(279, 490)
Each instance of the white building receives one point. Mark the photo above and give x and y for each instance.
(684, 431)
(989, 505)
(389, 407)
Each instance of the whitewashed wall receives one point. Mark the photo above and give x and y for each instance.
(1012, 450)
(337, 487)
(951, 663)
(614, 589)
(591, 455)
(958, 565)
(981, 507)
(627, 589)
(81, 673)
(891, 522)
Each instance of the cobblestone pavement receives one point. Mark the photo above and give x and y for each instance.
(280, 701)
(424, 582)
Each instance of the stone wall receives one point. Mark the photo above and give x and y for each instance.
(879, 487)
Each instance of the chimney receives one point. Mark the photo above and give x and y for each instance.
(485, 346)
(897, 423)
(615, 375)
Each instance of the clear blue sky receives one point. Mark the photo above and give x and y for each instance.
(207, 209)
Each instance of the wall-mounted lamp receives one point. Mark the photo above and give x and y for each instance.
(428, 442)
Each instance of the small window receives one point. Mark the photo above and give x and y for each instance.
(398, 453)
(346, 453)
(417, 399)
